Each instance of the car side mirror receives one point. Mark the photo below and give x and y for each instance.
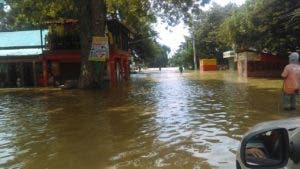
(265, 149)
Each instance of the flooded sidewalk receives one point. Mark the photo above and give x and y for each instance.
(159, 119)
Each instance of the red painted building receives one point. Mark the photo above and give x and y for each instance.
(208, 64)
(61, 62)
(253, 64)
(119, 56)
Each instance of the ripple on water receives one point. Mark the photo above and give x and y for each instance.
(157, 120)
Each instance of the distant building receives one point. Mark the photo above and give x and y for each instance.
(231, 57)
(21, 58)
(253, 64)
(208, 64)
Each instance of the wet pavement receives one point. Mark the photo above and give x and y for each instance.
(159, 119)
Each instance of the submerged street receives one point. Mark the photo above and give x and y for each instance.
(159, 119)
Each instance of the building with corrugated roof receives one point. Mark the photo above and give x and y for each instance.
(21, 57)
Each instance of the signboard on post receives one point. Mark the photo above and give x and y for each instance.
(99, 50)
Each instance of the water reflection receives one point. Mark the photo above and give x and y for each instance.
(158, 119)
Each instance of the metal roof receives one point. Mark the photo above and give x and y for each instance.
(21, 43)
(22, 38)
(20, 52)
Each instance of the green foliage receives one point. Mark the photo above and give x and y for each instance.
(269, 25)
(263, 24)
(3, 16)
(206, 31)
(183, 56)
(138, 16)
(161, 59)
(206, 37)
(172, 11)
(30, 13)
(141, 14)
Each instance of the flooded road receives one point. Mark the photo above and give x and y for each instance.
(157, 120)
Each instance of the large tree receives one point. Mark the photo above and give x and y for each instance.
(206, 31)
(161, 58)
(263, 24)
(30, 13)
(92, 16)
(183, 56)
(205, 34)
(269, 25)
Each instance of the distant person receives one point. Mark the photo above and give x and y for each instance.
(180, 69)
(291, 75)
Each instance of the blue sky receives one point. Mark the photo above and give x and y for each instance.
(174, 36)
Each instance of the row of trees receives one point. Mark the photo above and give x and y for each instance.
(270, 25)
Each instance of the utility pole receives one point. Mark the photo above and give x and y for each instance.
(194, 48)
(194, 51)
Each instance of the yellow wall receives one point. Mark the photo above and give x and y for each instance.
(208, 62)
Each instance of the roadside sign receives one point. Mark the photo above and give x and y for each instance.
(100, 49)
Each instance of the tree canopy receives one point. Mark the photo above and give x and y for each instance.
(263, 25)
(204, 31)
(266, 24)
(3, 16)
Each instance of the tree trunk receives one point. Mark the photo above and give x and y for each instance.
(92, 18)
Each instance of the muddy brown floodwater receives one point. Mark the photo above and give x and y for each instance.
(156, 120)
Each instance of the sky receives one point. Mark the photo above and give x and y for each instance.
(173, 37)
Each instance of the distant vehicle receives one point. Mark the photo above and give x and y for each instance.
(271, 145)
